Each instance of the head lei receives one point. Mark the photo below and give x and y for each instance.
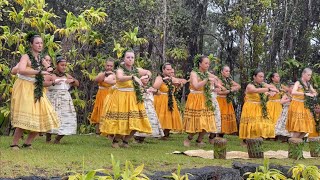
(196, 60)
(31, 35)
(60, 58)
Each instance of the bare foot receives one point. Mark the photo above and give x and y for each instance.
(125, 145)
(186, 143)
(200, 144)
(15, 147)
(115, 145)
(211, 141)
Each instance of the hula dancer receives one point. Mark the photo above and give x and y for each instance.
(255, 122)
(165, 103)
(151, 113)
(199, 115)
(105, 81)
(281, 130)
(60, 98)
(30, 107)
(125, 111)
(225, 99)
(273, 105)
(300, 119)
(215, 88)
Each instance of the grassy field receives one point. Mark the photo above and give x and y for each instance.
(94, 152)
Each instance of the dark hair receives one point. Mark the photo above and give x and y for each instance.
(31, 36)
(272, 76)
(290, 83)
(256, 72)
(224, 66)
(163, 66)
(198, 59)
(60, 58)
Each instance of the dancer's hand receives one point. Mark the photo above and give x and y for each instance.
(45, 73)
(274, 89)
(58, 81)
(70, 80)
(166, 78)
(136, 79)
(310, 94)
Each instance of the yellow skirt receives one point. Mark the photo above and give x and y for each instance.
(168, 119)
(274, 110)
(252, 123)
(300, 118)
(315, 134)
(98, 110)
(26, 114)
(228, 116)
(124, 114)
(197, 117)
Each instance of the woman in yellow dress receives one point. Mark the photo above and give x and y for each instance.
(255, 121)
(300, 119)
(125, 111)
(164, 101)
(273, 105)
(105, 81)
(199, 111)
(30, 107)
(225, 98)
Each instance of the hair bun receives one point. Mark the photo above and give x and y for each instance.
(30, 35)
(60, 58)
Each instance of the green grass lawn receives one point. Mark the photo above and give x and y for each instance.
(56, 160)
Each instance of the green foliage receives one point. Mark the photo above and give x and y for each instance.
(127, 173)
(178, 175)
(295, 150)
(86, 129)
(303, 172)
(77, 101)
(178, 53)
(265, 173)
(130, 38)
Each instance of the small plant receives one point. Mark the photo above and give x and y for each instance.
(86, 129)
(265, 173)
(128, 173)
(296, 151)
(178, 176)
(303, 172)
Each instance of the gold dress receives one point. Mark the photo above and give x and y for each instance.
(274, 107)
(252, 123)
(26, 113)
(228, 116)
(198, 117)
(98, 108)
(168, 119)
(300, 119)
(123, 113)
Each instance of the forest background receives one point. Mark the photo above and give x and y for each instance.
(274, 35)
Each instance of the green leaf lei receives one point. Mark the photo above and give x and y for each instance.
(263, 100)
(207, 89)
(36, 65)
(279, 87)
(136, 86)
(170, 86)
(310, 103)
(227, 83)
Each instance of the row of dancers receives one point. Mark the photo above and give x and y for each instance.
(127, 106)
